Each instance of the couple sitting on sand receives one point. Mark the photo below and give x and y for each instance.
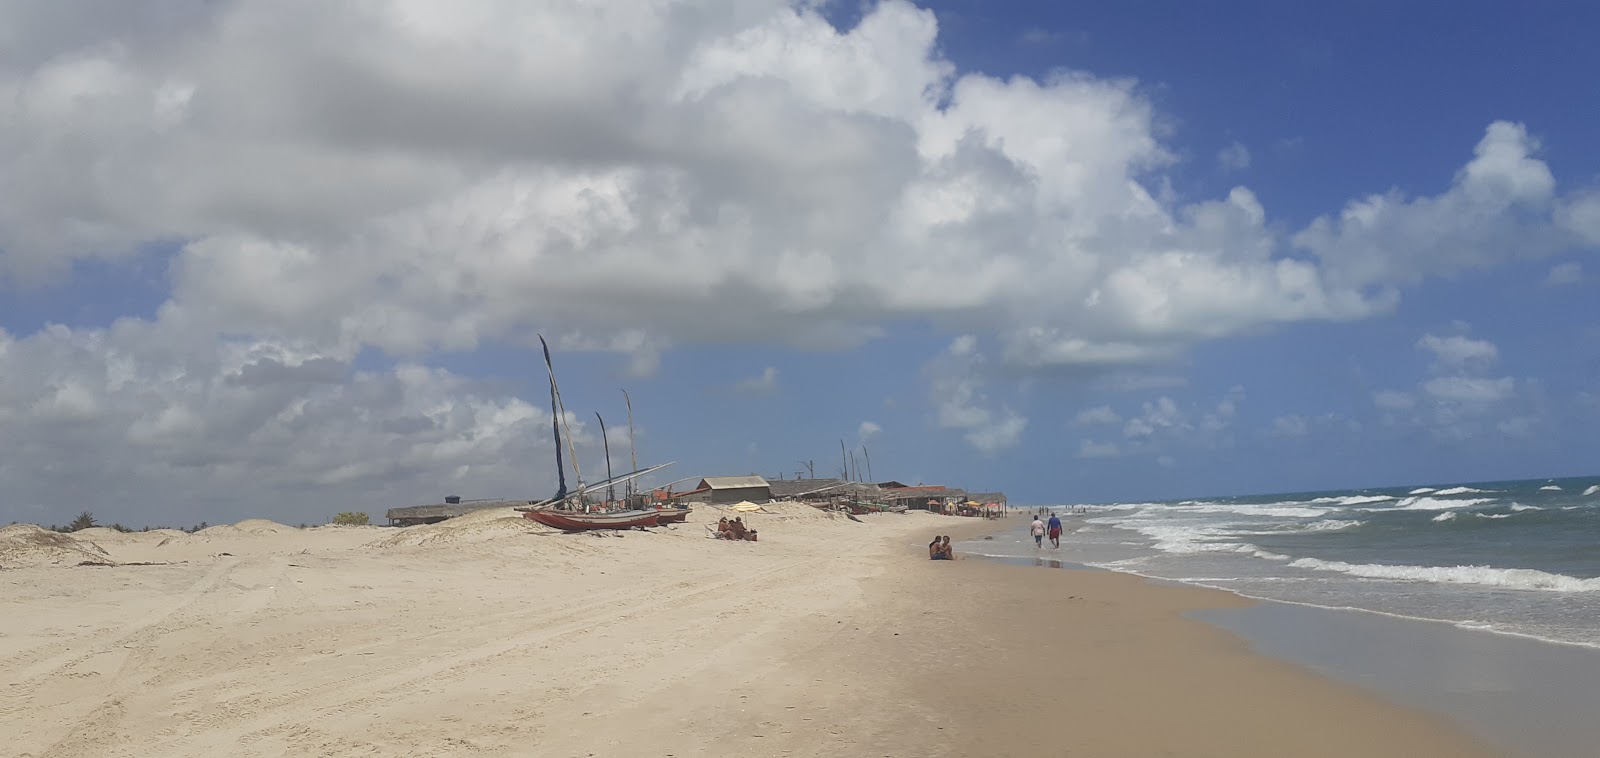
(734, 530)
(939, 549)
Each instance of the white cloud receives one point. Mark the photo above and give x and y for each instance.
(1159, 414)
(1565, 273)
(1457, 352)
(956, 387)
(404, 178)
(1469, 389)
(1234, 157)
(182, 435)
(1290, 426)
(765, 384)
(867, 430)
(1097, 415)
(1502, 205)
(1092, 449)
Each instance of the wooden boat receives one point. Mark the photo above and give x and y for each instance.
(672, 515)
(577, 521)
(569, 511)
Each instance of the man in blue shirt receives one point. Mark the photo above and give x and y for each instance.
(1055, 530)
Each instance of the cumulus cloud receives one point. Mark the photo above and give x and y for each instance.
(1092, 449)
(1234, 157)
(1461, 398)
(138, 427)
(765, 384)
(398, 179)
(1501, 206)
(867, 430)
(1457, 351)
(957, 382)
(1290, 426)
(1565, 273)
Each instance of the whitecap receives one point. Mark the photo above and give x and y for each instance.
(1593, 489)
(1421, 491)
(1519, 507)
(1434, 504)
(1549, 488)
(1459, 491)
(1488, 576)
(1355, 499)
(1486, 515)
(1446, 516)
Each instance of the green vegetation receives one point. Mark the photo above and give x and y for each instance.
(349, 518)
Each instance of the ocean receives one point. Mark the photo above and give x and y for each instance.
(1517, 557)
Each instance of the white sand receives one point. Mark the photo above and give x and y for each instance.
(483, 634)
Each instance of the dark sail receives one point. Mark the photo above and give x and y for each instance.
(611, 493)
(555, 423)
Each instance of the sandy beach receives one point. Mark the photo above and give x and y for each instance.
(490, 635)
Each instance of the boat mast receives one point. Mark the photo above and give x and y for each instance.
(633, 453)
(561, 412)
(611, 490)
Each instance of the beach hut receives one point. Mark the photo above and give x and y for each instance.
(732, 489)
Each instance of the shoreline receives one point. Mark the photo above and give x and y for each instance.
(1517, 693)
(488, 635)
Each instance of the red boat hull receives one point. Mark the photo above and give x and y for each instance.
(571, 521)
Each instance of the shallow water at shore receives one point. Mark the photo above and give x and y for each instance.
(1530, 697)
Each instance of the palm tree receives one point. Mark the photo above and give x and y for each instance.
(84, 520)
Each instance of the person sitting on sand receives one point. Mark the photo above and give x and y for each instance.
(736, 528)
(949, 552)
(935, 549)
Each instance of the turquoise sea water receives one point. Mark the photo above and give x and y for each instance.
(1519, 557)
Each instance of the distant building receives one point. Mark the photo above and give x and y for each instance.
(731, 489)
(788, 489)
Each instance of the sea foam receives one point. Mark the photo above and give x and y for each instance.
(1488, 576)
(1421, 491)
(1593, 489)
(1435, 504)
(1355, 499)
(1458, 491)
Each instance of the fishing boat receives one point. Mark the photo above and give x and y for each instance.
(666, 514)
(572, 511)
(577, 521)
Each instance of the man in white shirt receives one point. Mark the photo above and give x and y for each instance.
(1038, 532)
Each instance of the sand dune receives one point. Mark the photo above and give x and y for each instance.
(26, 545)
(488, 631)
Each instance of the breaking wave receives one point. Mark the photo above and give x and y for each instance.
(1459, 491)
(1355, 499)
(1435, 504)
(1488, 576)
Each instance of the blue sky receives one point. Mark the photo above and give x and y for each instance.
(748, 289)
(1332, 102)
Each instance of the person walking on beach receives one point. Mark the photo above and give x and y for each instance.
(1037, 527)
(1055, 531)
